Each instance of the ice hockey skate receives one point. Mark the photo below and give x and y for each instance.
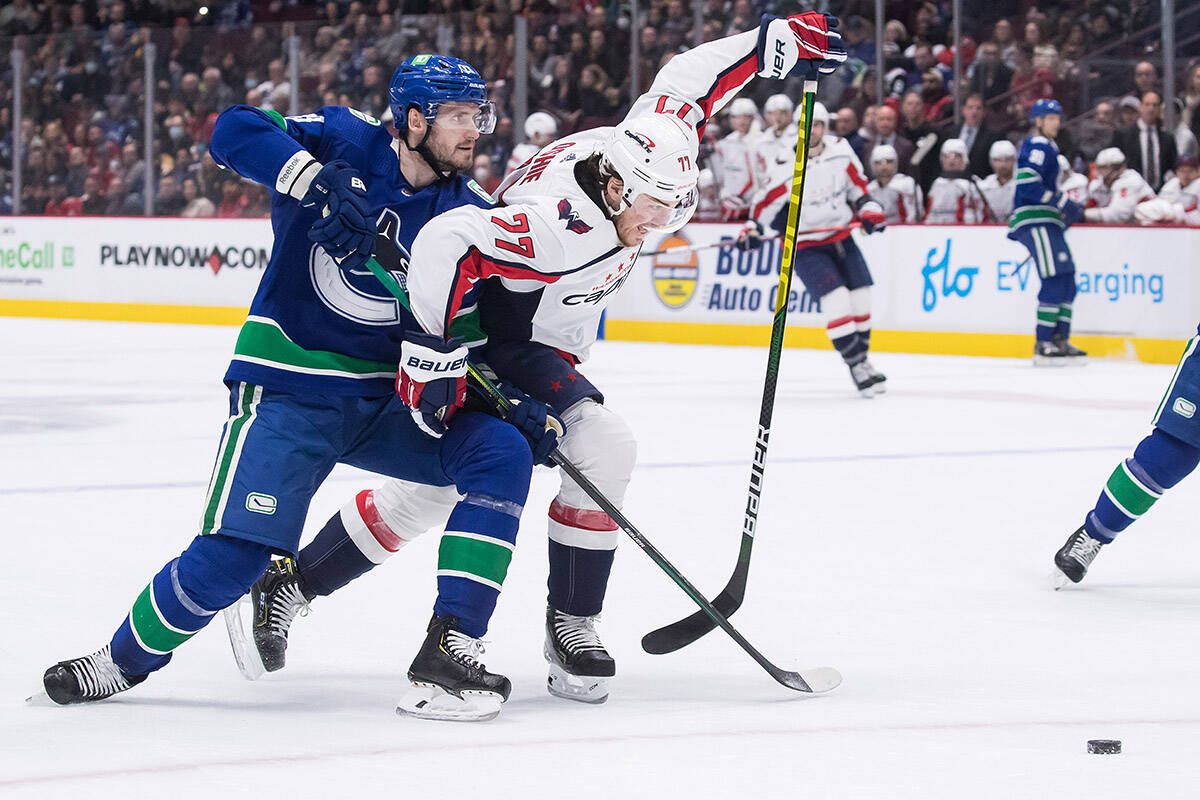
(448, 680)
(1073, 356)
(86, 679)
(259, 622)
(1049, 354)
(864, 378)
(580, 667)
(880, 380)
(1074, 558)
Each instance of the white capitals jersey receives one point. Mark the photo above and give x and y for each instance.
(900, 199)
(550, 254)
(833, 180)
(999, 197)
(1186, 196)
(1074, 187)
(732, 166)
(520, 154)
(953, 201)
(1115, 203)
(771, 151)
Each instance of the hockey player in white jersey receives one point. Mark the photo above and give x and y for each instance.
(731, 161)
(999, 188)
(829, 263)
(953, 200)
(1071, 184)
(540, 130)
(546, 262)
(897, 194)
(775, 147)
(1178, 201)
(1114, 195)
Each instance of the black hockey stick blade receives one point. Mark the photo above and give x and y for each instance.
(670, 638)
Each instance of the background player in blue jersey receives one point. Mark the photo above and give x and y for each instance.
(314, 382)
(1040, 216)
(1168, 455)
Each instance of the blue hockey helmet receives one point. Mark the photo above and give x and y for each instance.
(427, 81)
(1044, 107)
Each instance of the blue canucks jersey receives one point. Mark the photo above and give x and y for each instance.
(313, 326)
(1036, 199)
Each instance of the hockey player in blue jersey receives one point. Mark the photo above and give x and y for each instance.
(1040, 216)
(1168, 455)
(314, 378)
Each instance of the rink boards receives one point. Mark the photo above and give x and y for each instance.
(939, 289)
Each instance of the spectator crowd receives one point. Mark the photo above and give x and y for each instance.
(83, 92)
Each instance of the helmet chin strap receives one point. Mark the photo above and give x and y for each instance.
(422, 149)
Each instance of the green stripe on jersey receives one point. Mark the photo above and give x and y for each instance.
(262, 341)
(468, 329)
(475, 557)
(1128, 492)
(152, 631)
(1026, 175)
(221, 469)
(1028, 215)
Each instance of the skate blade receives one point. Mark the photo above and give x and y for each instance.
(589, 689)
(238, 622)
(1059, 579)
(1047, 361)
(879, 388)
(867, 394)
(1077, 361)
(39, 699)
(425, 701)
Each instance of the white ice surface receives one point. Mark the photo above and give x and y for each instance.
(905, 540)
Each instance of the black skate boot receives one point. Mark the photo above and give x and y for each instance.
(449, 682)
(274, 601)
(88, 678)
(579, 665)
(1072, 354)
(863, 377)
(879, 385)
(1049, 354)
(1076, 556)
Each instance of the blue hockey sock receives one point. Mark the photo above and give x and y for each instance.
(332, 559)
(491, 465)
(578, 579)
(183, 597)
(1159, 462)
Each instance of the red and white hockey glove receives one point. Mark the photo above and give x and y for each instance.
(432, 380)
(872, 217)
(803, 44)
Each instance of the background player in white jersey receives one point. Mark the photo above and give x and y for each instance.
(1114, 195)
(545, 263)
(829, 263)
(952, 198)
(1071, 184)
(897, 194)
(731, 160)
(1179, 200)
(776, 145)
(999, 188)
(540, 130)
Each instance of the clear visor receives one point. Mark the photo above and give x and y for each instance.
(464, 117)
(664, 215)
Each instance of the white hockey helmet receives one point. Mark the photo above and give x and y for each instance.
(1001, 148)
(884, 152)
(779, 102)
(954, 146)
(539, 123)
(1110, 157)
(743, 107)
(655, 155)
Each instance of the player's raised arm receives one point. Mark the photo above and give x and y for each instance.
(283, 153)
(695, 85)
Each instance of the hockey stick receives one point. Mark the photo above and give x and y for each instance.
(987, 207)
(817, 680)
(682, 633)
(693, 248)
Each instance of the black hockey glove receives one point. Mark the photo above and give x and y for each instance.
(536, 421)
(346, 230)
(750, 236)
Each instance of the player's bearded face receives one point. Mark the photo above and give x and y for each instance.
(452, 137)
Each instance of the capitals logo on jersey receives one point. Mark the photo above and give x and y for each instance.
(568, 215)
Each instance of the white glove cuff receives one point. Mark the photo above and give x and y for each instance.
(779, 50)
(424, 364)
(297, 175)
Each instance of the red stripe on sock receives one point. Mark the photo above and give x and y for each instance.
(584, 518)
(386, 537)
(863, 318)
(839, 322)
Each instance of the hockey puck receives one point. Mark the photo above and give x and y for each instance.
(1104, 746)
